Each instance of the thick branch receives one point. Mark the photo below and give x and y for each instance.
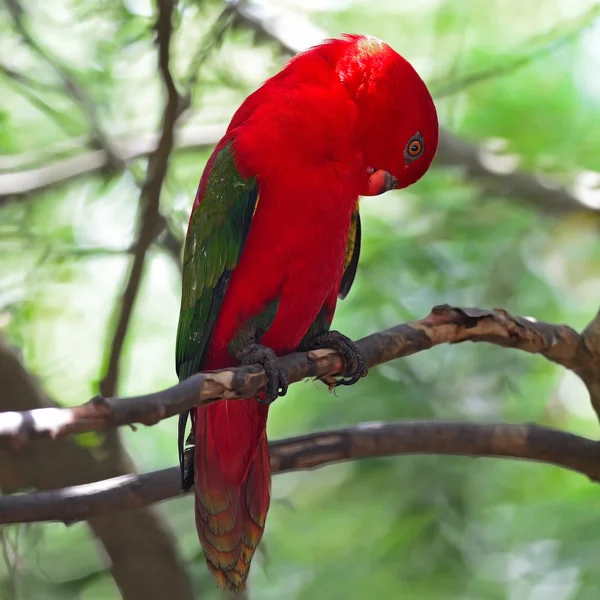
(530, 442)
(134, 543)
(539, 192)
(151, 221)
(142, 552)
(444, 325)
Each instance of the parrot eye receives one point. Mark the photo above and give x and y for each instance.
(414, 148)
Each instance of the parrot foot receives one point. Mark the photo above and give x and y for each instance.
(355, 364)
(277, 381)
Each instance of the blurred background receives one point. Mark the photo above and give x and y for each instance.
(505, 218)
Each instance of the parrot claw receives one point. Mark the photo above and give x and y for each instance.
(277, 381)
(355, 364)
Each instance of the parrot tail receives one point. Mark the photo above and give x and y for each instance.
(231, 501)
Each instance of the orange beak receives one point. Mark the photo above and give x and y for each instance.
(380, 182)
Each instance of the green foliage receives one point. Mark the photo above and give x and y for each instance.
(427, 528)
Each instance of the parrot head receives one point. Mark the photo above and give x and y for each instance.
(398, 125)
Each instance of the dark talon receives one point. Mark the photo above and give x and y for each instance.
(277, 381)
(355, 364)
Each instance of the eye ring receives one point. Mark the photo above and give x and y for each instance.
(414, 148)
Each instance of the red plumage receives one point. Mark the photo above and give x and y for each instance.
(315, 136)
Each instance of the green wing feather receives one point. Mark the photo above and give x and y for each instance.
(352, 255)
(216, 236)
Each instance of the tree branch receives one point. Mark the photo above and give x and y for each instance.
(142, 540)
(540, 193)
(143, 555)
(210, 41)
(294, 35)
(151, 221)
(72, 87)
(27, 81)
(26, 86)
(66, 170)
(538, 47)
(529, 442)
(452, 152)
(444, 325)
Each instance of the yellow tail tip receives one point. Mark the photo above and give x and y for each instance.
(231, 580)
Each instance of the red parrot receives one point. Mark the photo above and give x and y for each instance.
(273, 241)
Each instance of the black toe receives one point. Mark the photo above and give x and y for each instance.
(277, 381)
(354, 362)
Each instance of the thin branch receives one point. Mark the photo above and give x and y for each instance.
(151, 220)
(295, 34)
(25, 160)
(444, 325)
(28, 81)
(60, 172)
(150, 224)
(293, 37)
(8, 556)
(453, 151)
(211, 41)
(529, 442)
(66, 170)
(509, 63)
(72, 87)
(26, 88)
